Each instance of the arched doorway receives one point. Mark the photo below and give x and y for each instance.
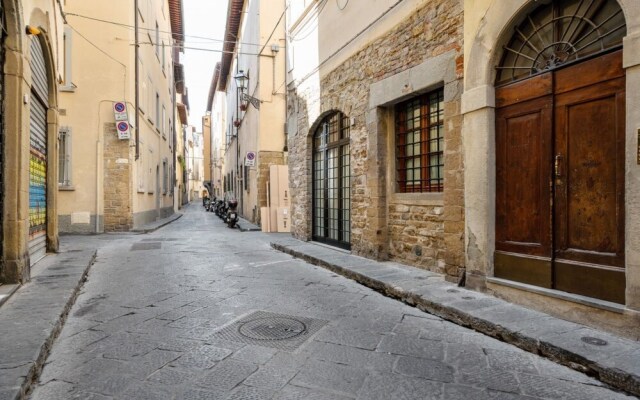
(39, 105)
(560, 150)
(332, 182)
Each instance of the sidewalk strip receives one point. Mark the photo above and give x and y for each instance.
(617, 363)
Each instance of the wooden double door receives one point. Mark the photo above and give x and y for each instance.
(560, 151)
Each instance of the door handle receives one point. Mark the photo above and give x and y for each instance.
(557, 167)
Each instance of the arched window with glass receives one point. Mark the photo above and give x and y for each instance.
(332, 182)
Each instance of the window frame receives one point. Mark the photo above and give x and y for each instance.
(164, 120)
(165, 177)
(157, 43)
(331, 201)
(410, 152)
(157, 116)
(64, 166)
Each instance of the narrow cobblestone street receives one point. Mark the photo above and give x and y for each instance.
(161, 317)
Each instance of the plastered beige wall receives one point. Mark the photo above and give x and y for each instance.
(98, 80)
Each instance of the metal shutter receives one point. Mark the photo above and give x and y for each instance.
(38, 156)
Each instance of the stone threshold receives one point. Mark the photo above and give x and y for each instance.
(574, 298)
(608, 358)
(32, 318)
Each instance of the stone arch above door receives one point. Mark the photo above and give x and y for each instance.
(495, 27)
(491, 26)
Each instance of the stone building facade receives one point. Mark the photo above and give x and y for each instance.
(141, 81)
(404, 53)
(594, 282)
(253, 109)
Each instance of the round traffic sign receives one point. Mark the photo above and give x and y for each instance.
(251, 156)
(123, 126)
(119, 107)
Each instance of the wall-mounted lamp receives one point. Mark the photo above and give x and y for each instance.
(242, 81)
(32, 30)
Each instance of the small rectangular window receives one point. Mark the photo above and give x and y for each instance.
(67, 48)
(64, 157)
(246, 178)
(164, 122)
(420, 143)
(157, 111)
(165, 176)
(157, 42)
(164, 56)
(149, 167)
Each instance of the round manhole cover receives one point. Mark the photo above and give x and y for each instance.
(276, 328)
(594, 341)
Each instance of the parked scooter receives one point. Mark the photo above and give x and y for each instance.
(210, 204)
(232, 213)
(221, 209)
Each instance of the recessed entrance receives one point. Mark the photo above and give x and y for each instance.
(38, 154)
(332, 182)
(560, 153)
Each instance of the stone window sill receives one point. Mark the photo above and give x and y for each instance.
(66, 188)
(419, 199)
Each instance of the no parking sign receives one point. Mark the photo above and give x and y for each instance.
(122, 120)
(120, 111)
(250, 160)
(123, 130)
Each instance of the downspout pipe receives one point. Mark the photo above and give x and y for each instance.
(137, 78)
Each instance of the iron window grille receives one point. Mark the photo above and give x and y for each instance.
(332, 182)
(420, 143)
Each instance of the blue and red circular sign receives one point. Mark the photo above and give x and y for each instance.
(251, 156)
(123, 126)
(119, 107)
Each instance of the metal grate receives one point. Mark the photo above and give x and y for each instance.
(280, 331)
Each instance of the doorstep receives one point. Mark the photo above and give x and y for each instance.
(611, 359)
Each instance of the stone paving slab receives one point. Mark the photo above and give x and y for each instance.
(617, 363)
(31, 319)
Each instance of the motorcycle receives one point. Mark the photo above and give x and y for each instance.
(210, 204)
(221, 209)
(232, 213)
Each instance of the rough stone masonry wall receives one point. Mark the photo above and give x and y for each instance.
(428, 236)
(117, 182)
